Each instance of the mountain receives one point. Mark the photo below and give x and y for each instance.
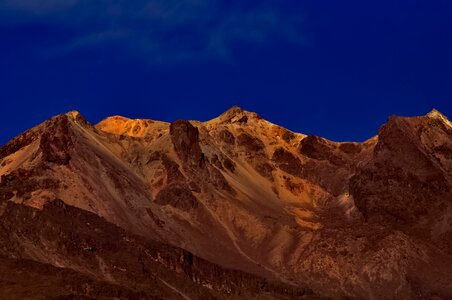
(235, 207)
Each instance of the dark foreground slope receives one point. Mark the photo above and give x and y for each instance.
(62, 251)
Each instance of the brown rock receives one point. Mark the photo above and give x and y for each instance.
(402, 184)
(178, 196)
(185, 138)
(226, 136)
(17, 143)
(287, 162)
(228, 164)
(350, 148)
(266, 170)
(250, 143)
(56, 141)
(288, 136)
(317, 148)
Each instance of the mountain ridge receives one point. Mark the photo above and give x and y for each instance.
(346, 219)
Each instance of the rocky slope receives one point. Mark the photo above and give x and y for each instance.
(233, 207)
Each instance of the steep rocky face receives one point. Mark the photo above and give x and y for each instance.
(368, 220)
(407, 182)
(287, 162)
(56, 142)
(185, 138)
(186, 142)
(250, 143)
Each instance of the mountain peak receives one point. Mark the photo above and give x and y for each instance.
(76, 116)
(236, 114)
(132, 127)
(73, 114)
(235, 109)
(435, 114)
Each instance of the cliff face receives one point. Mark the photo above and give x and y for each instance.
(305, 215)
(408, 178)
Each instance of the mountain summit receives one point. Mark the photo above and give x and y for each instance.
(234, 207)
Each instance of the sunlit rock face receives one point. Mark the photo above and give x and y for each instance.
(232, 207)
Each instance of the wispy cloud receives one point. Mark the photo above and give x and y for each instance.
(164, 30)
(38, 7)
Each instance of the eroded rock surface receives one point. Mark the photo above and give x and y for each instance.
(235, 207)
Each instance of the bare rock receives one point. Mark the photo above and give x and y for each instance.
(287, 162)
(250, 143)
(318, 148)
(18, 143)
(185, 138)
(56, 142)
(288, 136)
(403, 184)
(266, 170)
(178, 196)
(226, 136)
(229, 164)
(350, 148)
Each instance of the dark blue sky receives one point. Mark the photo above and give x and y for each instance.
(332, 68)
